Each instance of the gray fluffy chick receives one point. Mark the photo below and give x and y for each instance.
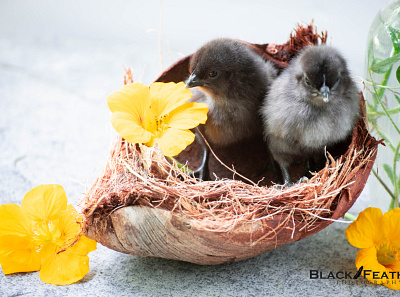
(312, 104)
(232, 80)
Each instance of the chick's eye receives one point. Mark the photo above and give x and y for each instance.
(307, 81)
(213, 74)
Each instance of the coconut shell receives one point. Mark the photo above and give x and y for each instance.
(143, 205)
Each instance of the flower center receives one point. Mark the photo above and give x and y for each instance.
(160, 126)
(148, 122)
(45, 232)
(386, 255)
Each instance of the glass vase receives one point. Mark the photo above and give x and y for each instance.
(382, 77)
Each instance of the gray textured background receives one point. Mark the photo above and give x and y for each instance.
(59, 61)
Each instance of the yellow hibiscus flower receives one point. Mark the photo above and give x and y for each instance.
(378, 236)
(45, 234)
(159, 114)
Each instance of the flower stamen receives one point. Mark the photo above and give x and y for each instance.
(385, 255)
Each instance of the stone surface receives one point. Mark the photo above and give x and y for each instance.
(59, 61)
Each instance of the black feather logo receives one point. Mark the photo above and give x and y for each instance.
(357, 275)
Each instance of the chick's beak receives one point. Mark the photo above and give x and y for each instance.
(193, 81)
(324, 91)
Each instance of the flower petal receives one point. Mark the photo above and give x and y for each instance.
(84, 246)
(64, 268)
(76, 243)
(368, 259)
(13, 220)
(187, 116)
(44, 203)
(66, 264)
(127, 126)
(17, 254)
(366, 231)
(391, 226)
(172, 141)
(48, 250)
(69, 223)
(131, 98)
(165, 97)
(395, 284)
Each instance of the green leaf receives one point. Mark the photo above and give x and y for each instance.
(370, 54)
(397, 97)
(398, 183)
(381, 113)
(378, 67)
(398, 76)
(395, 37)
(382, 66)
(389, 172)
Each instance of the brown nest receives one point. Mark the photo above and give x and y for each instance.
(143, 205)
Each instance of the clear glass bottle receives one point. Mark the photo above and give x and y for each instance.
(383, 102)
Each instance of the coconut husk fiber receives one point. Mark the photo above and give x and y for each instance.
(142, 204)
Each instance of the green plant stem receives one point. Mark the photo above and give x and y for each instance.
(350, 217)
(379, 97)
(383, 184)
(380, 86)
(385, 79)
(395, 183)
(379, 113)
(391, 204)
(181, 166)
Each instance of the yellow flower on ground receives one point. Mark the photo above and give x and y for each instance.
(378, 236)
(159, 114)
(44, 233)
